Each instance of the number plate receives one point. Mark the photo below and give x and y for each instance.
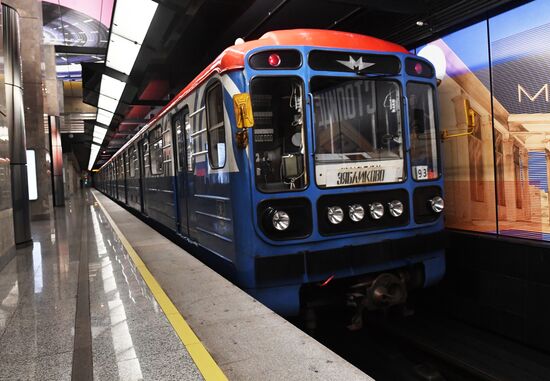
(421, 172)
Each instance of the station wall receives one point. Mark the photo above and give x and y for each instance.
(494, 103)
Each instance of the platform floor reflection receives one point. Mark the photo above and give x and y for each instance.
(131, 338)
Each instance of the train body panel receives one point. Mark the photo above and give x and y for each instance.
(185, 170)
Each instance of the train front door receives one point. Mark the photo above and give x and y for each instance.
(181, 129)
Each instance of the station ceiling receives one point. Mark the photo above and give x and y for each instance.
(186, 35)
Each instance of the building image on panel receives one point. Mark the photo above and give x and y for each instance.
(497, 178)
(521, 72)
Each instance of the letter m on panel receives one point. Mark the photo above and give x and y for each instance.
(521, 91)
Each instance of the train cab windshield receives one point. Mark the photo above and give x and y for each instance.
(358, 131)
(279, 141)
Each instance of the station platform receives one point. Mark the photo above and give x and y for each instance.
(101, 295)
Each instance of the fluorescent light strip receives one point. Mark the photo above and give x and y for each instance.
(121, 54)
(99, 134)
(106, 103)
(132, 18)
(111, 87)
(94, 151)
(131, 21)
(99, 131)
(104, 117)
(95, 148)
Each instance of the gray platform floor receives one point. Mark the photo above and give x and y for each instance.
(131, 338)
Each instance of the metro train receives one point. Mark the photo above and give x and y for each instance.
(305, 162)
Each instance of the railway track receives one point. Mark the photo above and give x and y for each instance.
(429, 347)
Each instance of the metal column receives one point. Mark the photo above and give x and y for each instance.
(16, 126)
(57, 161)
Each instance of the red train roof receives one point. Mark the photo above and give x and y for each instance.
(232, 58)
(324, 38)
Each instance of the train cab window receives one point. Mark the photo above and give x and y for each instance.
(155, 141)
(279, 141)
(216, 126)
(423, 132)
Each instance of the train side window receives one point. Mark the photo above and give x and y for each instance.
(126, 160)
(179, 143)
(136, 161)
(167, 151)
(182, 136)
(132, 160)
(145, 155)
(216, 126)
(121, 168)
(190, 143)
(190, 157)
(155, 151)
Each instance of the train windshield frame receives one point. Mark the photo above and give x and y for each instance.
(359, 128)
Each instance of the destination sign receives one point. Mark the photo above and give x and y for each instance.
(360, 176)
(344, 174)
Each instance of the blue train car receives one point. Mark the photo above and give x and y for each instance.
(337, 185)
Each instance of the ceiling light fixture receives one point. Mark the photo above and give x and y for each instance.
(122, 54)
(94, 151)
(104, 117)
(131, 21)
(111, 87)
(99, 134)
(132, 18)
(107, 104)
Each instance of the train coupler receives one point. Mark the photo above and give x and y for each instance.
(385, 291)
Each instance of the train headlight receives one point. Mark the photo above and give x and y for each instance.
(396, 208)
(335, 215)
(437, 204)
(356, 212)
(281, 220)
(376, 210)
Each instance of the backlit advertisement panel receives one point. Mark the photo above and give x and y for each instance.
(494, 101)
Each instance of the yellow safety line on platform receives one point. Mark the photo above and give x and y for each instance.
(205, 363)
